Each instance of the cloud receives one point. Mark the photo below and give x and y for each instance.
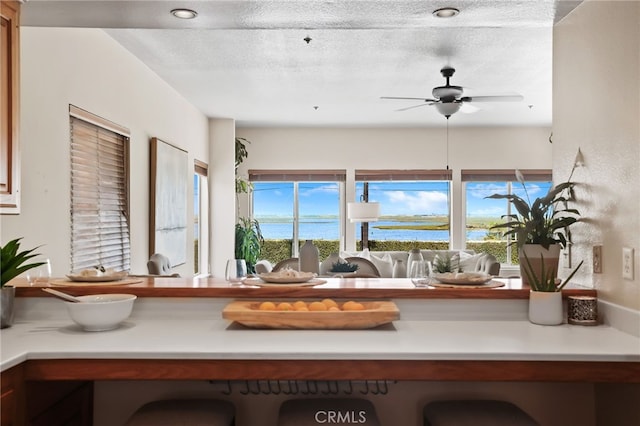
(482, 190)
(330, 188)
(420, 202)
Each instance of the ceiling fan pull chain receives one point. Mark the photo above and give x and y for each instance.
(447, 143)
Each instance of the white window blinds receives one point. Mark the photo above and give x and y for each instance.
(99, 193)
(297, 175)
(506, 175)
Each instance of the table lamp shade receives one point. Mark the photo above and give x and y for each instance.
(363, 212)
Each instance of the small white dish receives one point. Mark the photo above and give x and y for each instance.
(101, 312)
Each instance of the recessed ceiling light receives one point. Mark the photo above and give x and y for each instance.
(445, 12)
(184, 13)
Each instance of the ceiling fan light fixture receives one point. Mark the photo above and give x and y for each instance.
(448, 108)
(184, 13)
(445, 12)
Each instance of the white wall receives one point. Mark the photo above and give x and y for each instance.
(87, 68)
(597, 109)
(223, 195)
(415, 148)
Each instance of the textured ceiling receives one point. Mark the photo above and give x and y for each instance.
(248, 60)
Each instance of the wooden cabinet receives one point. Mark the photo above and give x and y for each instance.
(9, 108)
(12, 406)
(44, 403)
(60, 403)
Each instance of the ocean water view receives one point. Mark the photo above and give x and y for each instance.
(329, 229)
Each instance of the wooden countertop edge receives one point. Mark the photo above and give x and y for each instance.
(266, 369)
(302, 292)
(347, 288)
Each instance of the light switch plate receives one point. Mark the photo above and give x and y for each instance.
(627, 263)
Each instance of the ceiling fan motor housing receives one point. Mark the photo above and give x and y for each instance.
(447, 93)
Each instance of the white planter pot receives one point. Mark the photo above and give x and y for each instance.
(545, 308)
(550, 259)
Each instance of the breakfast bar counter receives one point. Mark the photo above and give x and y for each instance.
(187, 338)
(176, 332)
(390, 288)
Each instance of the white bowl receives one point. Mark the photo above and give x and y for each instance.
(100, 312)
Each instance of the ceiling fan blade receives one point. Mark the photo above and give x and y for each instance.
(414, 99)
(496, 98)
(414, 106)
(467, 108)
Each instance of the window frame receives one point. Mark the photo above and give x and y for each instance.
(295, 177)
(507, 176)
(404, 175)
(109, 250)
(201, 252)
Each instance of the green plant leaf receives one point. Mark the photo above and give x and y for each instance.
(12, 262)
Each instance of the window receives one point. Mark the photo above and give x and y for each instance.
(482, 213)
(99, 192)
(293, 206)
(414, 207)
(201, 218)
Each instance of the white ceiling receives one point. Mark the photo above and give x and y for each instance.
(248, 60)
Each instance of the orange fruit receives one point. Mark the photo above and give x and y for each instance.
(352, 306)
(301, 309)
(299, 304)
(334, 308)
(267, 306)
(317, 306)
(330, 303)
(284, 306)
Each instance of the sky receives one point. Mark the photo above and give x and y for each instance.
(395, 197)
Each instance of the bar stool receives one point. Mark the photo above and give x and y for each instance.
(333, 411)
(475, 413)
(184, 412)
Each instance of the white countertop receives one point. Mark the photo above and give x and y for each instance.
(427, 330)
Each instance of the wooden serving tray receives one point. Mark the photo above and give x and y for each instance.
(376, 313)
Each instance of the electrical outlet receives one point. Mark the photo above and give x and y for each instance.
(627, 263)
(597, 259)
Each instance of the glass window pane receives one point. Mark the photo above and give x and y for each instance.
(273, 209)
(319, 211)
(196, 222)
(483, 213)
(415, 211)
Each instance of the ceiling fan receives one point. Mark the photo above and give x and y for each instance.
(449, 99)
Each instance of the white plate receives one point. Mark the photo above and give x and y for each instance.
(275, 277)
(260, 283)
(98, 278)
(465, 278)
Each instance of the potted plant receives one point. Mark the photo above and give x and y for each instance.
(539, 228)
(545, 296)
(12, 263)
(242, 185)
(248, 242)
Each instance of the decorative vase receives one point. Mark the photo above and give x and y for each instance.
(7, 296)
(414, 256)
(550, 260)
(399, 269)
(309, 258)
(545, 308)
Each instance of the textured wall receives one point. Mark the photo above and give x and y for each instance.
(596, 108)
(87, 68)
